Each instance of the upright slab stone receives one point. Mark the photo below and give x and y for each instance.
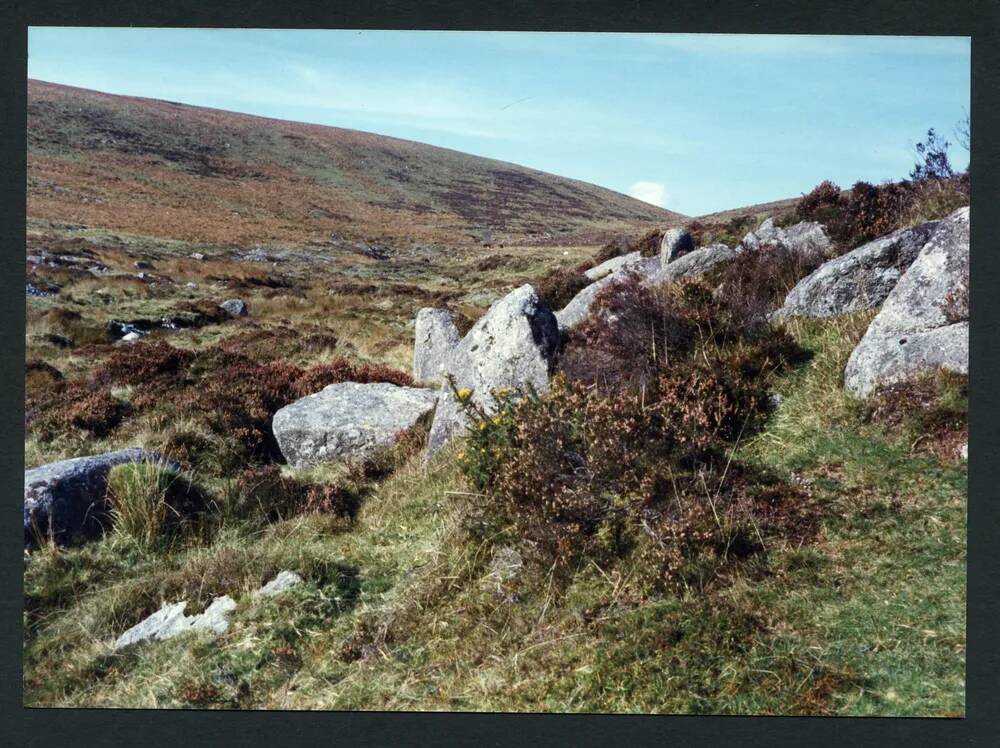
(435, 337)
(514, 344)
(675, 244)
(923, 323)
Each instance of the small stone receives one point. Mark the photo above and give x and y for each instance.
(131, 337)
(198, 256)
(285, 581)
(143, 265)
(236, 307)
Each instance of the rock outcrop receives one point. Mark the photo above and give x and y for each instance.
(434, 339)
(861, 279)
(579, 307)
(514, 344)
(169, 621)
(66, 501)
(347, 420)
(923, 323)
(807, 238)
(675, 244)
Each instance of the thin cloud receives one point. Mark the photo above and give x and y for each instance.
(653, 193)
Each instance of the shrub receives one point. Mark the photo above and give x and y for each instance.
(932, 155)
(821, 204)
(146, 499)
(558, 287)
(586, 475)
(755, 283)
(140, 363)
(932, 410)
(265, 493)
(41, 380)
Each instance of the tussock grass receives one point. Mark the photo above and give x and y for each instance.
(137, 494)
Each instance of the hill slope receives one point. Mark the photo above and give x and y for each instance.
(224, 178)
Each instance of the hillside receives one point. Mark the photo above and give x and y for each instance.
(223, 178)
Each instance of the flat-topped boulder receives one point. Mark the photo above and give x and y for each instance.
(861, 279)
(923, 323)
(613, 265)
(347, 420)
(66, 501)
(435, 337)
(514, 344)
(579, 306)
(694, 264)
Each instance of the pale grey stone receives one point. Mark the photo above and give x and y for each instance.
(285, 581)
(674, 244)
(513, 345)
(169, 621)
(614, 264)
(435, 337)
(694, 264)
(347, 420)
(236, 307)
(914, 331)
(807, 238)
(861, 279)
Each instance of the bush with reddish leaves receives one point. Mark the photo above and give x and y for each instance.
(558, 287)
(755, 283)
(267, 494)
(821, 204)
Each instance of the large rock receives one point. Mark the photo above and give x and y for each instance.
(861, 279)
(169, 621)
(514, 344)
(66, 501)
(434, 339)
(923, 323)
(614, 264)
(674, 244)
(694, 264)
(806, 238)
(347, 420)
(579, 307)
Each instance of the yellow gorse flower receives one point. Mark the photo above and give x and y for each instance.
(464, 393)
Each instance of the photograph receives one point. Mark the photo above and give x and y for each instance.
(495, 371)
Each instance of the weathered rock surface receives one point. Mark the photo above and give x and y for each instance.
(236, 307)
(610, 266)
(923, 323)
(169, 621)
(514, 344)
(143, 265)
(674, 244)
(66, 500)
(806, 238)
(578, 308)
(860, 279)
(285, 581)
(347, 420)
(694, 264)
(435, 338)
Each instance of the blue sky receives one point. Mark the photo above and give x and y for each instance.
(692, 122)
